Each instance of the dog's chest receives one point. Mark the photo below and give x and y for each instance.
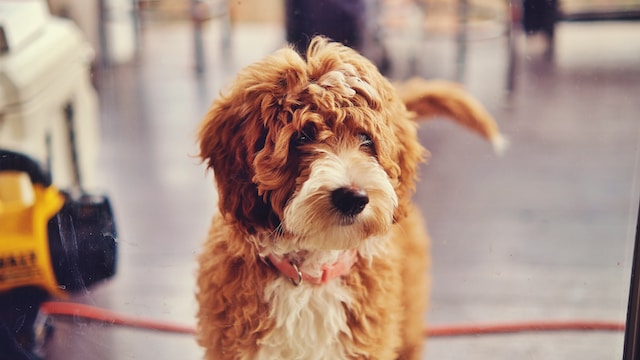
(310, 321)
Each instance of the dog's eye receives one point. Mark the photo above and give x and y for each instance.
(365, 140)
(304, 137)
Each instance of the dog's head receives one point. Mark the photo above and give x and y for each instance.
(320, 153)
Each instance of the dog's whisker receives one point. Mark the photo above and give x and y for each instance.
(275, 234)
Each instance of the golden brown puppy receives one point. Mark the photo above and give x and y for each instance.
(318, 252)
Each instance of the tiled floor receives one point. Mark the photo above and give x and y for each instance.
(544, 232)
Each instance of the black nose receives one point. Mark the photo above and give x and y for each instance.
(349, 201)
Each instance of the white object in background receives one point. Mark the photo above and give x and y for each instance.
(120, 31)
(46, 94)
(20, 20)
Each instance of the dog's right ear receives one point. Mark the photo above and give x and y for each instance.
(228, 139)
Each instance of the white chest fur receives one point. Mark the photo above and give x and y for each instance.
(309, 321)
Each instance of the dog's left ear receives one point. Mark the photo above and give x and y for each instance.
(240, 132)
(228, 137)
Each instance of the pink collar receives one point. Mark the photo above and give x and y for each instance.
(329, 271)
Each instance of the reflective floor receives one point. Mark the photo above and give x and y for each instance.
(542, 233)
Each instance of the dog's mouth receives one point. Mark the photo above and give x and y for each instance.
(346, 220)
(339, 219)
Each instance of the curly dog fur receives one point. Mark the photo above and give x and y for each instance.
(315, 158)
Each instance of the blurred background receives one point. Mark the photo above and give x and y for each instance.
(544, 232)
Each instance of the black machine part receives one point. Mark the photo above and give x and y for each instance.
(82, 242)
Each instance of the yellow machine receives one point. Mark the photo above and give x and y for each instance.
(25, 210)
(51, 243)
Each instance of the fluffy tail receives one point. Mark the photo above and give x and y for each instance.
(442, 98)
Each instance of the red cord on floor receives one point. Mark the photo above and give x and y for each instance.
(110, 317)
(519, 327)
